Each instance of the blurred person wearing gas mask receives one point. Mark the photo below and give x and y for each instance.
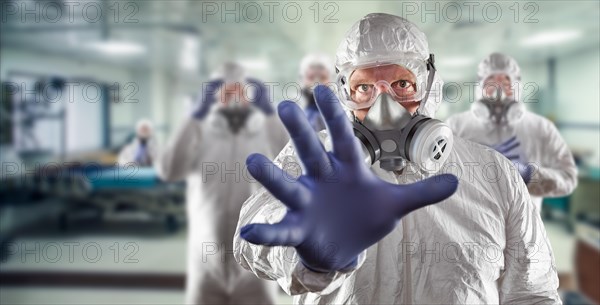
(499, 119)
(346, 231)
(143, 150)
(315, 69)
(233, 118)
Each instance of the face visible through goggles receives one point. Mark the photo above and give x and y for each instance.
(368, 83)
(496, 81)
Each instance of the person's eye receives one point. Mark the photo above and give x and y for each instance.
(363, 88)
(403, 84)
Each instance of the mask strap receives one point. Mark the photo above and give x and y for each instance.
(431, 68)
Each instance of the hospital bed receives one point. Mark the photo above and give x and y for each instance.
(112, 192)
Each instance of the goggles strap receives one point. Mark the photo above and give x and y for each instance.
(432, 70)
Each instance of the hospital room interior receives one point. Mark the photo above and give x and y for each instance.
(83, 80)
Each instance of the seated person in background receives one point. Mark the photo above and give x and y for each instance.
(499, 119)
(143, 150)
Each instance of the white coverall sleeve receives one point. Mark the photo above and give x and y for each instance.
(180, 156)
(529, 275)
(281, 263)
(556, 175)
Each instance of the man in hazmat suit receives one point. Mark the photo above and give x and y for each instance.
(338, 231)
(143, 150)
(233, 119)
(499, 119)
(315, 68)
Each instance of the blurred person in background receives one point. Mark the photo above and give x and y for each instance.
(499, 119)
(347, 233)
(315, 68)
(143, 150)
(233, 119)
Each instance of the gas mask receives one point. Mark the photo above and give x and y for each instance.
(391, 135)
(236, 116)
(498, 108)
(308, 95)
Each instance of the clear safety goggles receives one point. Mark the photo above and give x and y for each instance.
(359, 94)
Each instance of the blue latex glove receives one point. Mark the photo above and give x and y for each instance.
(207, 98)
(314, 118)
(338, 207)
(510, 151)
(261, 99)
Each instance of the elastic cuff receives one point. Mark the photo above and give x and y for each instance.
(351, 266)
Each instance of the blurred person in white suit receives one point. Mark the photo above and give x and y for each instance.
(233, 118)
(498, 118)
(315, 68)
(143, 149)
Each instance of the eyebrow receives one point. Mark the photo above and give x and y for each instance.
(400, 76)
(358, 80)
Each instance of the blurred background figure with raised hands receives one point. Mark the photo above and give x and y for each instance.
(234, 117)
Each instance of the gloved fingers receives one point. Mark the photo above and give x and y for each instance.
(508, 145)
(509, 148)
(285, 188)
(429, 191)
(509, 141)
(261, 97)
(512, 158)
(207, 98)
(345, 144)
(310, 150)
(526, 172)
(210, 89)
(285, 233)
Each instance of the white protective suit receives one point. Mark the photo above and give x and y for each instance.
(129, 152)
(554, 171)
(212, 160)
(483, 245)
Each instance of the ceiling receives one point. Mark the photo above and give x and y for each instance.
(276, 42)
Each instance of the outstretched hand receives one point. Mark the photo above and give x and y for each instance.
(338, 207)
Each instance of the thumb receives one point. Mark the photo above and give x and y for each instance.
(423, 193)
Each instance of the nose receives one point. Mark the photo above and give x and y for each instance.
(382, 87)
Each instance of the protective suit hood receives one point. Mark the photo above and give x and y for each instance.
(498, 63)
(381, 39)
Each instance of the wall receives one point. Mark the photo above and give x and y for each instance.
(135, 94)
(577, 103)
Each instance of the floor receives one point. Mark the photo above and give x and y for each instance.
(87, 248)
(153, 252)
(46, 296)
(563, 246)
